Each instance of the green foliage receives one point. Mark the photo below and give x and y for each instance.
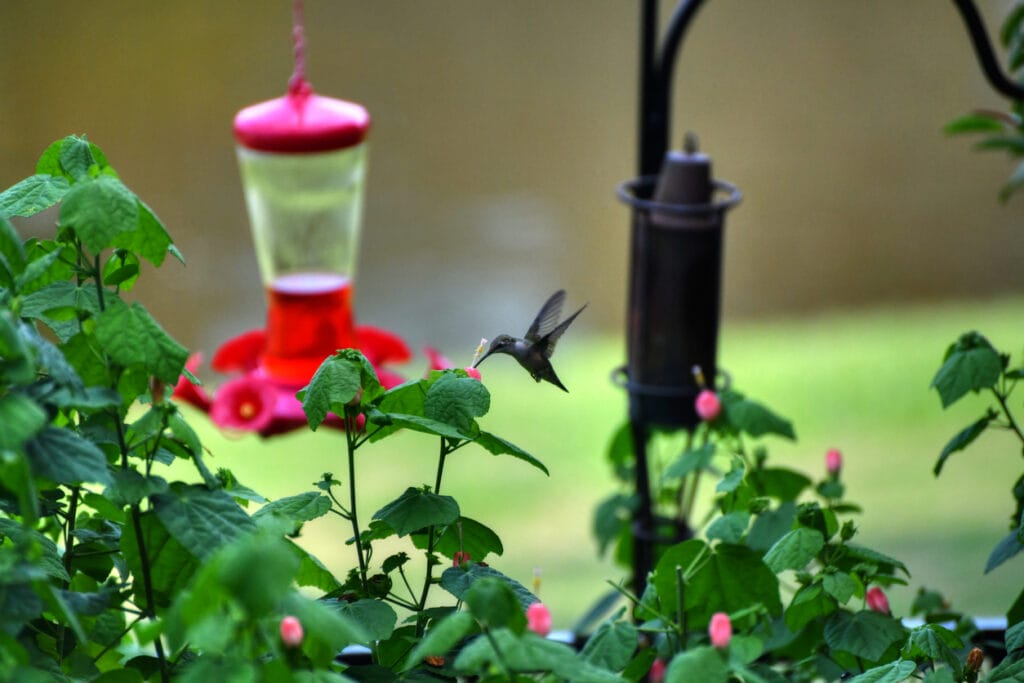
(1002, 130)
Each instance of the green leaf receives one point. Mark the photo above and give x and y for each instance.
(690, 461)
(1004, 550)
(16, 476)
(611, 646)
(893, 672)
(979, 122)
(498, 446)
(970, 364)
(780, 483)
(32, 195)
(771, 525)
(312, 571)
(963, 439)
(99, 211)
(840, 586)
(458, 580)
(201, 519)
(149, 239)
(794, 550)
(130, 487)
(11, 247)
(376, 617)
(76, 158)
(864, 634)
(886, 564)
(476, 539)
(335, 383)
(934, 642)
(130, 336)
(1014, 183)
(809, 603)
(704, 664)
(493, 603)
(64, 457)
(753, 418)
(171, 565)
(442, 637)
(420, 424)
(726, 578)
(303, 507)
(21, 418)
(729, 527)
(417, 509)
(457, 401)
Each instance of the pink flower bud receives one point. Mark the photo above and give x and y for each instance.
(657, 672)
(876, 600)
(833, 461)
(720, 629)
(472, 372)
(460, 558)
(291, 631)
(708, 405)
(538, 618)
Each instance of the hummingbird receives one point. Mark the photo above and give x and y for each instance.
(537, 345)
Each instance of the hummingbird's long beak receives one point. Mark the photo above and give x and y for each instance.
(483, 357)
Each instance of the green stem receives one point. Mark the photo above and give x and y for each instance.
(1014, 427)
(351, 442)
(431, 561)
(680, 606)
(69, 529)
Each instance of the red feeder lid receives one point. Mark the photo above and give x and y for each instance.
(301, 121)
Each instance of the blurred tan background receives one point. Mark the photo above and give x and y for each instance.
(501, 131)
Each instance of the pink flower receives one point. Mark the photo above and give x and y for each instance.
(708, 405)
(245, 403)
(538, 619)
(473, 372)
(291, 631)
(875, 597)
(460, 558)
(720, 629)
(436, 360)
(833, 461)
(657, 672)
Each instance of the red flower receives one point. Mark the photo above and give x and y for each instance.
(436, 359)
(657, 672)
(833, 461)
(875, 597)
(460, 558)
(291, 631)
(473, 372)
(190, 393)
(708, 405)
(720, 629)
(538, 619)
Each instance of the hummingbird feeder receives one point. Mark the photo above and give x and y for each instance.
(302, 159)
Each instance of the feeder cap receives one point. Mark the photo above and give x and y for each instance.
(301, 121)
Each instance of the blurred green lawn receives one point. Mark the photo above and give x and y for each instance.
(855, 381)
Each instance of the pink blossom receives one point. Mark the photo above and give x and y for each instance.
(291, 631)
(720, 629)
(245, 403)
(833, 461)
(875, 597)
(460, 558)
(657, 672)
(538, 618)
(708, 405)
(473, 372)
(436, 360)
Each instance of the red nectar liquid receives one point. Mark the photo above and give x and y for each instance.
(309, 317)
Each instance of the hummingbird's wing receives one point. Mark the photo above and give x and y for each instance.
(546, 344)
(547, 319)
